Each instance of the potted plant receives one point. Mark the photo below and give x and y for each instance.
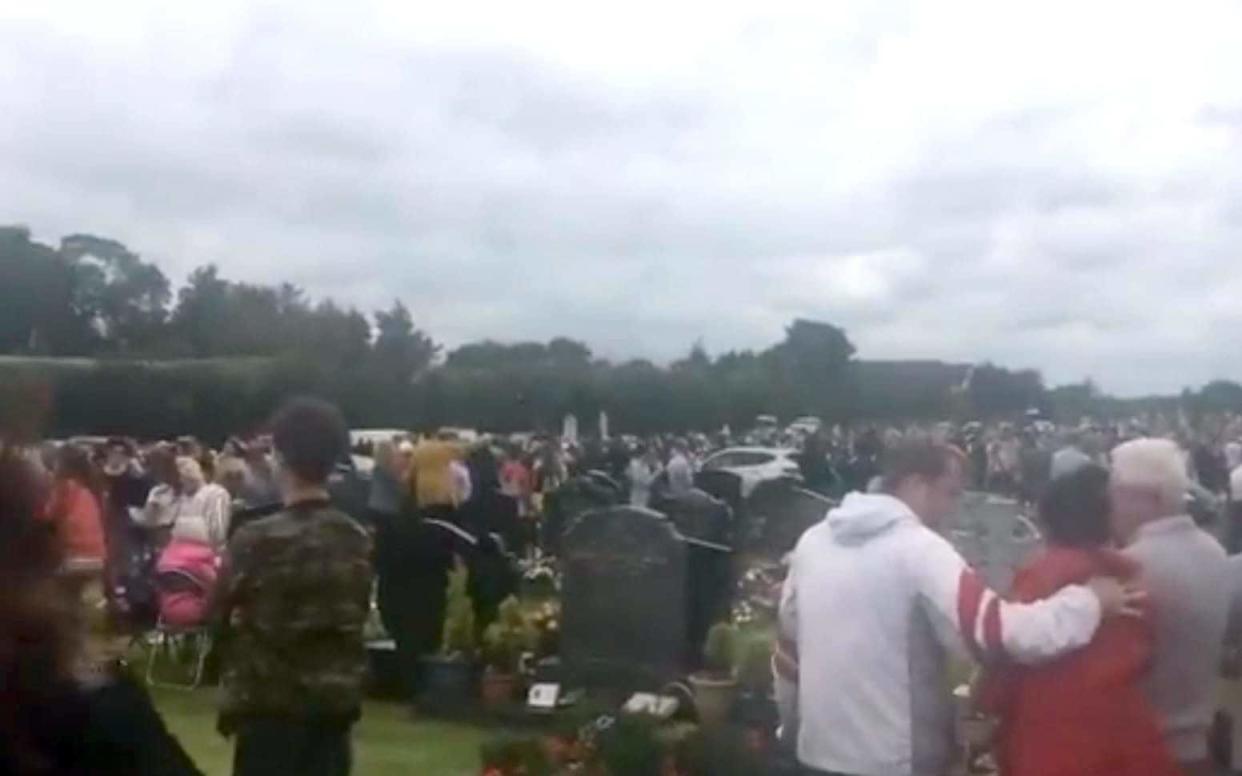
(504, 643)
(449, 674)
(754, 663)
(755, 710)
(715, 687)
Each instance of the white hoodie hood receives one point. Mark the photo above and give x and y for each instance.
(864, 516)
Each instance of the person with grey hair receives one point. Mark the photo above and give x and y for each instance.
(1186, 574)
(206, 500)
(1069, 458)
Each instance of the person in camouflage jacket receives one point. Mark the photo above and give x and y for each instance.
(293, 596)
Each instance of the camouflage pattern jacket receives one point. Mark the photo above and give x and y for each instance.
(293, 595)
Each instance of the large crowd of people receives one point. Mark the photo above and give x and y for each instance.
(1126, 606)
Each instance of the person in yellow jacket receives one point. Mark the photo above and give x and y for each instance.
(431, 479)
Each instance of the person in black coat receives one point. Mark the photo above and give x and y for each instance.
(491, 517)
(126, 487)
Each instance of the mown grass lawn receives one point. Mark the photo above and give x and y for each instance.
(387, 740)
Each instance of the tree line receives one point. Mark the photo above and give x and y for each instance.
(214, 356)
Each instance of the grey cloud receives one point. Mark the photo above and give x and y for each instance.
(504, 193)
(319, 136)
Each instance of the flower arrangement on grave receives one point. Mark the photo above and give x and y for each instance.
(540, 577)
(611, 745)
(758, 594)
(514, 756)
(545, 618)
(505, 641)
(459, 633)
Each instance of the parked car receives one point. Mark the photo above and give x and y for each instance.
(754, 464)
(370, 437)
(805, 426)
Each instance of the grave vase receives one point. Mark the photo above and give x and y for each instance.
(448, 680)
(713, 698)
(497, 689)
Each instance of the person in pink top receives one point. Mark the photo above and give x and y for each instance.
(74, 509)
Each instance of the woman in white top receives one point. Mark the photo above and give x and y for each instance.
(206, 500)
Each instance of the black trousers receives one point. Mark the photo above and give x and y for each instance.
(412, 561)
(278, 745)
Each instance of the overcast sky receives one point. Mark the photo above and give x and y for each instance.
(1054, 184)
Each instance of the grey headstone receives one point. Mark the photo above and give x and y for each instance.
(778, 512)
(574, 497)
(706, 525)
(697, 515)
(994, 537)
(624, 621)
(723, 485)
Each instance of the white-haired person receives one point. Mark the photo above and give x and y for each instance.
(1186, 574)
(205, 500)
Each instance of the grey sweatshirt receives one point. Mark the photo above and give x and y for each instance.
(1187, 575)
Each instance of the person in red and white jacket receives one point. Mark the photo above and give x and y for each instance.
(873, 602)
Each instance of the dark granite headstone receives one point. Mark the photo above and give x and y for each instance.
(706, 525)
(697, 515)
(723, 485)
(778, 512)
(577, 495)
(624, 603)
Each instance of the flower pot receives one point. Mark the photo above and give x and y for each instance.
(713, 697)
(497, 689)
(447, 680)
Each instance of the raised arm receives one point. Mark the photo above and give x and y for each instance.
(955, 594)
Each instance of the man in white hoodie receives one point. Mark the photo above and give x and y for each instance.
(874, 600)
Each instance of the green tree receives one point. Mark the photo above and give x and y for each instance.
(811, 367)
(202, 308)
(1220, 396)
(123, 299)
(401, 350)
(36, 297)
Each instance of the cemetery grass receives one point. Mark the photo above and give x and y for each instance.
(387, 740)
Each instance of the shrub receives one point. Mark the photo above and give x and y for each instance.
(459, 638)
(754, 662)
(506, 639)
(720, 649)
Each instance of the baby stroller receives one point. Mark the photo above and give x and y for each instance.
(184, 579)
